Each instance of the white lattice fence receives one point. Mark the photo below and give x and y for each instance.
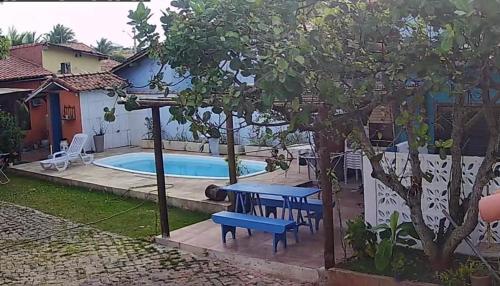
(381, 202)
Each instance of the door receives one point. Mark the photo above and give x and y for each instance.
(55, 121)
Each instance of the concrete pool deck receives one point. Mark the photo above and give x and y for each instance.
(181, 192)
(302, 261)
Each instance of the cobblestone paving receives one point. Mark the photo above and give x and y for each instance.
(86, 256)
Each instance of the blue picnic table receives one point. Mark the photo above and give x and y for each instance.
(296, 196)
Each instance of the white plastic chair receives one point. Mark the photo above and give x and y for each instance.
(353, 159)
(61, 160)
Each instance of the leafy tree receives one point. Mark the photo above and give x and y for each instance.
(10, 134)
(119, 57)
(4, 46)
(311, 59)
(60, 34)
(104, 46)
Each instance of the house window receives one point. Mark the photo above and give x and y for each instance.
(65, 68)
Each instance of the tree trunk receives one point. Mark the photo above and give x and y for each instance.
(326, 189)
(231, 155)
(440, 261)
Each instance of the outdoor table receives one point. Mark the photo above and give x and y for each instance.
(288, 193)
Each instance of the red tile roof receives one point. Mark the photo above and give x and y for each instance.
(26, 45)
(90, 81)
(14, 68)
(79, 47)
(75, 46)
(108, 64)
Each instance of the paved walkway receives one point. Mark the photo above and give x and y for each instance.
(36, 248)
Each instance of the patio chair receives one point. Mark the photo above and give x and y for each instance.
(353, 159)
(4, 158)
(62, 159)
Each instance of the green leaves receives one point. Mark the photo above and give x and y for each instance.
(383, 256)
(300, 59)
(463, 6)
(109, 114)
(447, 39)
(10, 133)
(282, 64)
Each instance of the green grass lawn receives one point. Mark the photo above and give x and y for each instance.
(84, 206)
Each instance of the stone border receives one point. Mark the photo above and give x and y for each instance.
(339, 276)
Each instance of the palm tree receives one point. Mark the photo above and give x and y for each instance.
(104, 46)
(31, 38)
(14, 36)
(60, 34)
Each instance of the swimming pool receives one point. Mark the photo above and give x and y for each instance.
(180, 165)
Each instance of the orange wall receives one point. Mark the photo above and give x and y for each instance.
(38, 115)
(39, 122)
(70, 127)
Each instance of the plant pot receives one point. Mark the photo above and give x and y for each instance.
(99, 143)
(214, 146)
(194, 147)
(238, 149)
(147, 143)
(480, 280)
(174, 145)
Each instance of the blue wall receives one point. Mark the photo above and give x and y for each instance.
(140, 72)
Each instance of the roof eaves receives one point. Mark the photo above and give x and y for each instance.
(139, 55)
(96, 54)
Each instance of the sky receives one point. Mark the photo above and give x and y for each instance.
(89, 20)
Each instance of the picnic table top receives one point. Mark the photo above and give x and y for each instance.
(271, 189)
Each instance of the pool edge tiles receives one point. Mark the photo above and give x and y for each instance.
(111, 162)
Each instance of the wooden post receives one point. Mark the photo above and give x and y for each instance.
(231, 155)
(160, 173)
(326, 187)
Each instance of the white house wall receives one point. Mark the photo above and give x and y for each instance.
(128, 128)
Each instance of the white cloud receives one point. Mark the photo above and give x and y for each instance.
(89, 20)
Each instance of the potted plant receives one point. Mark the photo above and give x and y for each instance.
(147, 142)
(261, 143)
(214, 141)
(238, 149)
(99, 137)
(480, 276)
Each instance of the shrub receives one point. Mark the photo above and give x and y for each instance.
(361, 237)
(10, 134)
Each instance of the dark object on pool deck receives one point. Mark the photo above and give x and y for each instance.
(214, 193)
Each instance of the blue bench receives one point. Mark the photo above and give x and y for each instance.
(230, 220)
(271, 203)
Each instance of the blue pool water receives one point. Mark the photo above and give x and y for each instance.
(177, 165)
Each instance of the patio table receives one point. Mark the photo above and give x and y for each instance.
(288, 193)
